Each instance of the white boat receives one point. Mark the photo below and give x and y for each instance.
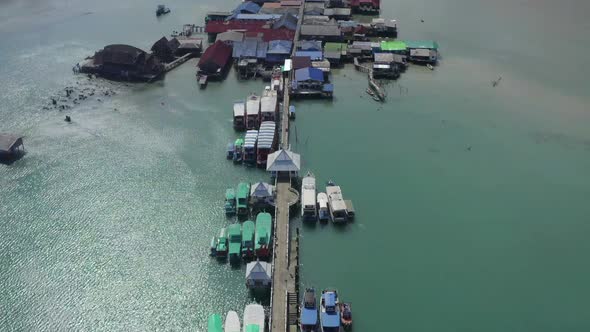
(323, 210)
(254, 315)
(338, 211)
(232, 322)
(308, 198)
(253, 112)
(429, 66)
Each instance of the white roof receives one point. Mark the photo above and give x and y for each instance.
(288, 65)
(239, 109)
(261, 189)
(283, 161)
(258, 271)
(254, 314)
(253, 105)
(232, 322)
(308, 195)
(335, 197)
(322, 200)
(268, 104)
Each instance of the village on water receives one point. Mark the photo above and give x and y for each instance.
(291, 46)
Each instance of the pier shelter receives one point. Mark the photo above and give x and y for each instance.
(11, 147)
(283, 162)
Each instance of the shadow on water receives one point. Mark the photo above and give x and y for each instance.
(9, 159)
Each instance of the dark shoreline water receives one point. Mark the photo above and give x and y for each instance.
(106, 222)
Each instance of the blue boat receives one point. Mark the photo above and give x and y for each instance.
(330, 311)
(309, 312)
(230, 151)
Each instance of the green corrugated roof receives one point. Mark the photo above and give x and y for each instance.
(230, 194)
(429, 44)
(263, 229)
(334, 47)
(243, 190)
(248, 230)
(395, 45)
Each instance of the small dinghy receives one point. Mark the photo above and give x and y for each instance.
(429, 66)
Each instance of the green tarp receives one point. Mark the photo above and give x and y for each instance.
(395, 45)
(428, 44)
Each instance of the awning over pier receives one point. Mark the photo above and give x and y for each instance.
(283, 161)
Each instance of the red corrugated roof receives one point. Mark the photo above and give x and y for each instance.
(251, 29)
(218, 54)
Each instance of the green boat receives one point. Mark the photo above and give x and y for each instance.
(243, 196)
(252, 328)
(221, 249)
(263, 236)
(230, 202)
(248, 239)
(215, 323)
(234, 232)
(238, 150)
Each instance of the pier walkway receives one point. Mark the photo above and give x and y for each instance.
(284, 295)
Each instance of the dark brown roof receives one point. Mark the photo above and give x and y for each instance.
(301, 62)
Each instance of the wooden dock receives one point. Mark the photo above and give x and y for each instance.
(169, 66)
(284, 314)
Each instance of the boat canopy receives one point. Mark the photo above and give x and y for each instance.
(309, 316)
(253, 105)
(230, 194)
(330, 299)
(268, 104)
(239, 109)
(214, 324)
(243, 190)
(330, 319)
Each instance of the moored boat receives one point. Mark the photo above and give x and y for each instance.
(213, 247)
(346, 315)
(266, 142)
(252, 112)
(254, 318)
(221, 249)
(309, 312)
(230, 151)
(243, 196)
(232, 322)
(263, 235)
(239, 115)
(248, 229)
(268, 105)
(323, 210)
(234, 233)
(230, 202)
(161, 10)
(214, 323)
(238, 150)
(336, 203)
(308, 198)
(250, 147)
(330, 311)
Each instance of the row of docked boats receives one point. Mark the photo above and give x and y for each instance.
(258, 197)
(324, 206)
(254, 321)
(331, 316)
(250, 114)
(254, 148)
(247, 240)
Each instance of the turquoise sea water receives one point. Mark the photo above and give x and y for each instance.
(472, 201)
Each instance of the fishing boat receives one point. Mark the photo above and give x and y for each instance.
(330, 311)
(248, 229)
(238, 150)
(252, 111)
(323, 210)
(250, 147)
(234, 233)
(292, 112)
(214, 324)
(308, 198)
(230, 151)
(336, 204)
(242, 199)
(254, 318)
(263, 235)
(309, 312)
(232, 322)
(221, 249)
(230, 202)
(268, 105)
(239, 115)
(161, 10)
(213, 247)
(346, 315)
(266, 143)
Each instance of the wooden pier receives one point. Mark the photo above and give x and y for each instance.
(284, 312)
(169, 66)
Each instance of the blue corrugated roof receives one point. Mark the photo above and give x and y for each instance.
(250, 48)
(244, 7)
(257, 17)
(313, 55)
(310, 45)
(279, 47)
(309, 316)
(305, 74)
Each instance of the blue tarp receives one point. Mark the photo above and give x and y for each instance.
(245, 7)
(306, 74)
(261, 50)
(310, 45)
(279, 47)
(313, 55)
